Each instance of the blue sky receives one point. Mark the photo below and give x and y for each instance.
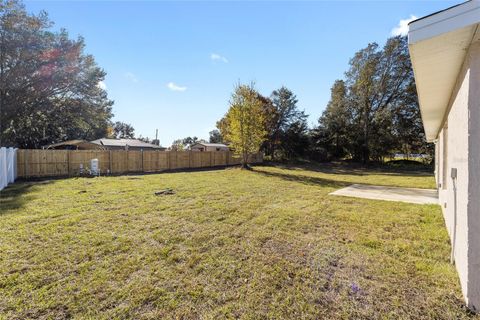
(173, 65)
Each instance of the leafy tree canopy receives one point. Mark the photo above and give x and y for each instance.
(185, 143)
(122, 130)
(374, 112)
(244, 123)
(215, 136)
(49, 88)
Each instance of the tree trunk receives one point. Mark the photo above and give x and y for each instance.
(245, 160)
(366, 151)
(337, 146)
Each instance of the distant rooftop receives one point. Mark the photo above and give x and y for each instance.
(75, 144)
(125, 142)
(207, 144)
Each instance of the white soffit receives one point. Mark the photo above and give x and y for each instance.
(438, 44)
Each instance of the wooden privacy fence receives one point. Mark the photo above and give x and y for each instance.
(50, 163)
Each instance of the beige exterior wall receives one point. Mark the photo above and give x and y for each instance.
(458, 147)
(199, 147)
(215, 149)
(474, 179)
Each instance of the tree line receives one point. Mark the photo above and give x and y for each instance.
(373, 113)
(51, 91)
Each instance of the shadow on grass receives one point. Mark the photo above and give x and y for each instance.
(345, 168)
(308, 180)
(15, 196)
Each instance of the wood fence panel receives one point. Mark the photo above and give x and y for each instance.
(196, 159)
(150, 160)
(154, 161)
(103, 157)
(119, 161)
(172, 159)
(35, 160)
(41, 163)
(233, 159)
(205, 159)
(45, 163)
(183, 160)
(135, 161)
(20, 163)
(78, 159)
(162, 161)
(219, 158)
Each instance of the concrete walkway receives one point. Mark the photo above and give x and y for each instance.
(411, 195)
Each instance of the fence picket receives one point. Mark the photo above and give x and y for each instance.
(43, 163)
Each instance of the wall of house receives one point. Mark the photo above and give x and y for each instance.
(458, 147)
(474, 179)
(215, 149)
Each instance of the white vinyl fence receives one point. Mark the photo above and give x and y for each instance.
(8, 166)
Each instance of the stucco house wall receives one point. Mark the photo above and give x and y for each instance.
(474, 176)
(458, 147)
(209, 147)
(445, 53)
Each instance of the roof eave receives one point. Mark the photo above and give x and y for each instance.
(437, 45)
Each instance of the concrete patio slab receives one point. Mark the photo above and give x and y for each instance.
(411, 195)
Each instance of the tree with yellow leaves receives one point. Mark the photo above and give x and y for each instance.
(245, 122)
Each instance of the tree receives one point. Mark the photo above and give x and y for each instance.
(177, 145)
(408, 125)
(146, 139)
(361, 79)
(122, 130)
(222, 126)
(245, 122)
(379, 81)
(215, 136)
(185, 143)
(335, 123)
(295, 140)
(375, 110)
(282, 116)
(49, 89)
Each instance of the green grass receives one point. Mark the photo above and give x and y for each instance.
(263, 244)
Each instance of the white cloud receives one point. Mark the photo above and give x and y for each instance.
(102, 85)
(130, 76)
(217, 57)
(402, 28)
(174, 87)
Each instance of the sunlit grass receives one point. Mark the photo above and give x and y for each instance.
(268, 243)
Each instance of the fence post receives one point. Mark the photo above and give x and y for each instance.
(110, 161)
(126, 160)
(15, 173)
(143, 167)
(190, 158)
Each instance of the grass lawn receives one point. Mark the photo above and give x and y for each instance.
(263, 244)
